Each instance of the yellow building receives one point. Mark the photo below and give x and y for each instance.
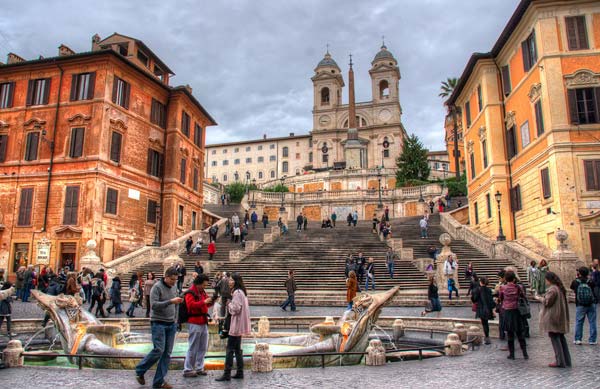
(531, 117)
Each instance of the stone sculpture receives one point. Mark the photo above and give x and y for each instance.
(475, 335)
(12, 354)
(453, 345)
(376, 353)
(262, 358)
(264, 327)
(398, 328)
(461, 331)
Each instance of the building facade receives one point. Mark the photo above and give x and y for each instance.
(438, 164)
(531, 117)
(96, 145)
(456, 164)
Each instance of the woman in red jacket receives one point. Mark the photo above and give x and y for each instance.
(212, 250)
(197, 303)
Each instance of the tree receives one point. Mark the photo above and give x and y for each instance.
(448, 87)
(412, 163)
(236, 191)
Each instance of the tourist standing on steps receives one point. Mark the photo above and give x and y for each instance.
(265, 220)
(224, 292)
(189, 242)
(349, 219)
(484, 311)
(370, 270)
(351, 288)
(355, 218)
(390, 257)
(554, 318)
(246, 219)
(387, 214)
(361, 261)
(5, 306)
(212, 250)
(513, 320)
(533, 276)
(305, 222)
(349, 265)
(423, 227)
(214, 230)
(239, 310)
(431, 205)
(299, 222)
(150, 281)
(163, 299)
(254, 219)
(375, 223)
(290, 287)
(435, 305)
(134, 294)
(542, 270)
(181, 273)
(333, 218)
(98, 294)
(585, 305)
(197, 303)
(235, 220)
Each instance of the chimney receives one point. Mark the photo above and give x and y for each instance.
(189, 88)
(64, 50)
(95, 41)
(291, 134)
(264, 136)
(13, 58)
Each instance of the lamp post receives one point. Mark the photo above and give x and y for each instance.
(247, 183)
(500, 236)
(156, 242)
(282, 208)
(380, 205)
(253, 204)
(421, 199)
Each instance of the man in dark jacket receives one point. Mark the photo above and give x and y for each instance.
(361, 261)
(585, 305)
(225, 293)
(188, 245)
(299, 222)
(181, 273)
(290, 286)
(27, 282)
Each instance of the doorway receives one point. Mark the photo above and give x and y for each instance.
(595, 244)
(68, 255)
(20, 256)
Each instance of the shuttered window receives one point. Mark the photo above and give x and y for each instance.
(488, 204)
(183, 170)
(25, 206)
(3, 143)
(506, 86)
(120, 92)
(185, 124)
(31, 146)
(154, 167)
(511, 143)
(472, 161)
(592, 174)
(468, 113)
(515, 198)
(529, 52)
(180, 216)
(112, 198)
(38, 92)
(197, 135)
(82, 86)
(577, 33)
(484, 153)
(545, 179)
(539, 117)
(151, 213)
(479, 98)
(76, 147)
(476, 212)
(194, 217)
(7, 94)
(584, 105)
(195, 179)
(115, 146)
(158, 113)
(71, 205)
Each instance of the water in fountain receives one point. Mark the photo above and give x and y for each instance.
(53, 341)
(33, 336)
(387, 335)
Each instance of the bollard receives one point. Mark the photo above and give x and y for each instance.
(375, 353)
(398, 329)
(461, 331)
(262, 359)
(13, 354)
(475, 335)
(264, 327)
(453, 345)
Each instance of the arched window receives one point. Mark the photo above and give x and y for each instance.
(248, 175)
(325, 96)
(272, 173)
(384, 89)
(285, 152)
(236, 176)
(285, 167)
(260, 175)
(360, 122)
(297, 171)
(224, 177)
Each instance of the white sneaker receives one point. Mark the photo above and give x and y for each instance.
(578, 342)
(593, 343)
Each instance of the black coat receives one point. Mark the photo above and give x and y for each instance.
(482, 296)
(115, 292)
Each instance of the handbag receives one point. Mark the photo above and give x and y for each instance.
(524, 308)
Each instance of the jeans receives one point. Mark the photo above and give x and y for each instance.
(131, 309)
(580, 313)
(350, 304)
(423, 232)
(26, 292)
(289, 301)
(390, 267)
(87, 290)
(234, 346)
(163, 338)
(372, 279)
(197, 347)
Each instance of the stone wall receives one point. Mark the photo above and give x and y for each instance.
(313, 213)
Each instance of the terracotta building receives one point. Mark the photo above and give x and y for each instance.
(531, 118)
(96, 145)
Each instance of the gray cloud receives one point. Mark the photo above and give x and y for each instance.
(250, 62)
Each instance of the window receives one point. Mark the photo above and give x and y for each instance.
(272, 158)
(260, 175)
(214, 152)
(325, 158)
(236, 161)
(468, 113)
(384, 89)
(592, 174)
(325, 96)
(120, 92)
(525, 134)
(154, 167)
(76, 147)
(197, 135)
(225, 162)
(224, 177)
(511, 143)
(577, 33)
(539, 117)
(31, 146)
(545, 177)
(261, 159)
(248, 148)
(194, 216)
(142, 58)
(297, 171)
(25, 205)
(71, 206)
(529, 52)
(224, 151)
(476, 212)
(248, 160)
(488, 203)
(3, 143)
(272, 173)
(213, 163)
(7, 94)
(584, 105)
(310, 157)
(248, 176)
(515, 198)
(479, 98)
(259, 147)
(112, 198)
(237, 149)
(285, 167)
(185, 124)
(297, 155)
(82, 86)
(151, 212)
(115, 146)
(182, 170)
(436, 166)
(272, 146)
(38, 92)
(483, 153)
(180, 216)
(285, 152)
(195, 179)
(158, 113)
(386, 153)
(506, 86)
(472, 161)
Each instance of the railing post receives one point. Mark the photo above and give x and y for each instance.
(80, 362)
(420, 354)
(322, 361)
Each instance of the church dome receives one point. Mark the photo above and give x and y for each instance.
(384, 53)
(327, 61)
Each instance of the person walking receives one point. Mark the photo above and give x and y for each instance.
(554, 318)
(290, 287)
(181, 273)
(386, 212)
(198, 246)
(484, 310)
(349, 219)
(98, 294)
(533, 276)
(239, 310)
(333, 218)
(423, 227)
(390, 257)
(305, 222)
(115, 296)
(585, 305)
(224, 292)
(299, 222)
(189, 242)
(246, 218)
(431, 205)
(28, 276)
(150, 281)
(355, 218)
(212, 250)
(361, 262)
(134, 294)
(435, 305)
(197, 304)
(237, 232)
(595, 277)
(370, 270)
(163, 299)
(213, 231)
(198, 269)
(351, 289)
(235, 220)
(86, 284)
(6, 308)
(254, 219)
(349, 265)
(375, 223)
(509, 296)
(20, 282)
(265, 220)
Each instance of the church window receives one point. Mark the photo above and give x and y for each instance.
(384, 89)
(325, 96)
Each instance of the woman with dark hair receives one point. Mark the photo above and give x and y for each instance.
(115, 296)
(554, 318)
(541, 281)
(239, 311)
(134, 294)
(513, 321)
(482, 297)
(434, 299)
(150, 281)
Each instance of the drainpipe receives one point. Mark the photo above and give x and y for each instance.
(52, 144)
(162, 184)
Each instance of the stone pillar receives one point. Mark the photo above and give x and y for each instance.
(453, 345)
(564, 262)
(264, 327)
(475, 335)
(12, 356)
(461, 331)
(375, 353)
(262, 359)
(398, 328)
(445, 240)
(91, 260)
(252, 245)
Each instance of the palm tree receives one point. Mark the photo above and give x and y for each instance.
(448, 87)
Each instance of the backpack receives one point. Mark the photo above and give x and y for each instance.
(585, 296)
(98, 288)
(183, 314)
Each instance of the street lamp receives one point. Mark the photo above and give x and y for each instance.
(282, 208)
(421, 199)
(253, 204)
(500, 236)
(156, 242)
(380, 205)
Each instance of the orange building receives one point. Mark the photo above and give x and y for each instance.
(531, 116)
(96, 145)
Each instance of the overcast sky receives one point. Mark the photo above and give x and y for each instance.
(250, 62)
